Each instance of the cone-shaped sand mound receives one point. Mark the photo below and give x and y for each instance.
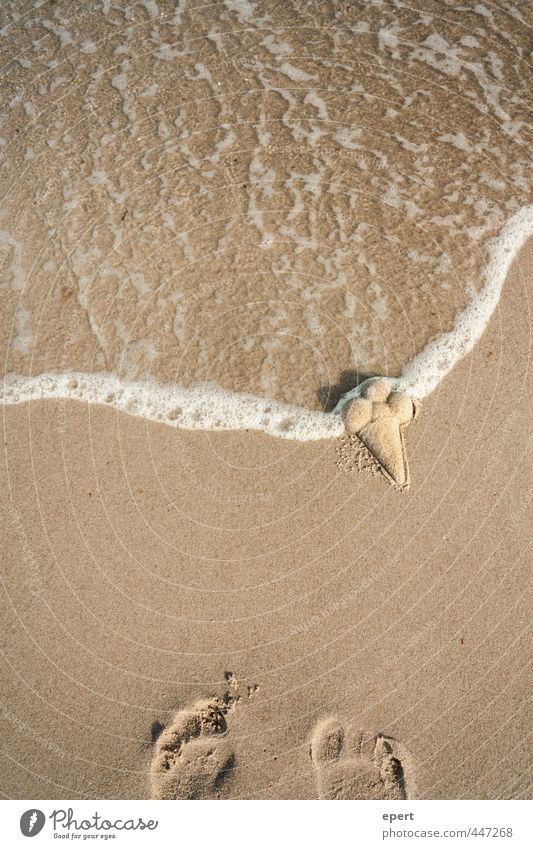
(375, 422)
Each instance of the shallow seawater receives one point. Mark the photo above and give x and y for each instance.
(275, 198)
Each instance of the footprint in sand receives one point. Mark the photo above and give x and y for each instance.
(375, 421)
(366, 769)
(193, 757)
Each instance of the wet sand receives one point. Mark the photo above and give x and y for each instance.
(260, 195)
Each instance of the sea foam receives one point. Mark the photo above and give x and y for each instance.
(426, 370)
(209, 407)
(429, 367)
(205, 407)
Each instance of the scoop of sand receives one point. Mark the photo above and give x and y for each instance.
(375, 422)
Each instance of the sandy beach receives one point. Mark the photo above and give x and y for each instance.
(149, 572)
(266, 484)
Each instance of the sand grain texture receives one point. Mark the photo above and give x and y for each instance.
(147, 570)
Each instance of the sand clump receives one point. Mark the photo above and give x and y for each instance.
(375, 422)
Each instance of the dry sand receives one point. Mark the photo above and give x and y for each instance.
(149, 570)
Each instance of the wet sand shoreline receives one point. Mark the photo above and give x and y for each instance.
(148, 568)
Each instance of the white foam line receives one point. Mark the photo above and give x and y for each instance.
(428, 368)
(436, 360)
(198, 408)
(209, 407)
